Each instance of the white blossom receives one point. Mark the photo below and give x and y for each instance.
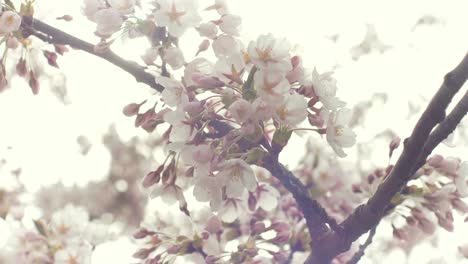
(73, 253)
(267, 197)
(268, 52)
(271, 86)
(174, 93)
(90, 7)
(108, 21)
(230, 24)
(177, 16)
(230, 69)
(209, 30)
(180, 132)
(339, 135)
(208, 189)
(198, 65)
(241, 110)
(123, 6)
(293, 110)
(237, 176)
(71, 221)
(174, 57)
(9, 21)
(325, 88)
(225, 45)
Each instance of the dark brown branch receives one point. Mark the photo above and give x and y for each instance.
(45, 32)
(368, 215)
(315, 215)
(442, 131)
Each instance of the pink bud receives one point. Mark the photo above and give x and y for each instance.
(194, 108)
(204, 45)
(296, 61)
(394, 145)
(315, 120)
(21, 67)
(152, 177)
(213, 225)
(103, 46)
(60, 49)
(33, 83)
(12, 43)
(252, 202)
(51, 58)
(206, 81)
(280, 226)
(281, 237)
(131, 109)
(460, 205)
(140, 233)
(258, 228)
(435, 161)
(400, 234)
(67, 18)
(211, 259)
(174, 249)
(280, 256)
(143, 253)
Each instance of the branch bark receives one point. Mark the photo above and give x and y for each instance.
(53, 35)
(419, 145)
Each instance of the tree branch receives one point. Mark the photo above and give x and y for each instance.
(368, 215)
(442, 131)
(53, 35)
(315, 215)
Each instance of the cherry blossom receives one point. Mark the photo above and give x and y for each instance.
(9, 21)
(267, 197)
(271, 86)
(237, 175)
(108, 21)
(90, 7)
(339, 135)
(241, 110)
(225, 45)
(174, 57)
(177, 16)
(174, 93)
(230, 69)
(181, 131)
(293, 110)
(230, 24)
(208, 189)
(268, 52)
(325, 88)
(123, 6)
(209, 30)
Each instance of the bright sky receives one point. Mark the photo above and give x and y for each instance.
(42, 132)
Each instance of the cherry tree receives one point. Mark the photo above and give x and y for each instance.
(222, 120)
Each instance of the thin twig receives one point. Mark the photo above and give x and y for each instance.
(53, 35)
(358, 255)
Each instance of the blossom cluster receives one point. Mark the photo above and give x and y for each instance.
(261, 90)
(67, 237)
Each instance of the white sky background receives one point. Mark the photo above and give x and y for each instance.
(42, 132)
